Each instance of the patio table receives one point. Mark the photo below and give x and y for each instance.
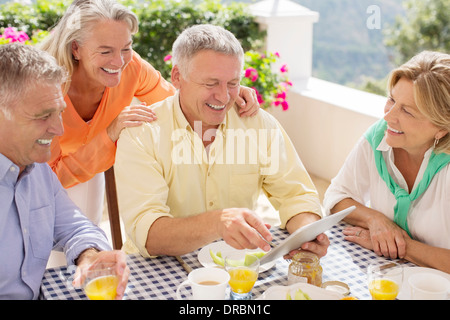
(158, 278)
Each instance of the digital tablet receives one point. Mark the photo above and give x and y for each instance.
(305, 234)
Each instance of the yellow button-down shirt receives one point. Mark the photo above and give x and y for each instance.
(163, 169)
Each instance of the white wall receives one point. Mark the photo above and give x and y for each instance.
(323, 130)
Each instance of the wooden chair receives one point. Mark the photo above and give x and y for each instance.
(113, 208)
(113, 213)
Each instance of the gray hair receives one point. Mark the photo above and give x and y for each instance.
(77, 24)
(204, 37)
(21, 67)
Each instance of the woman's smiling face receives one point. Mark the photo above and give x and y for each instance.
(104, 55)
(407, 127)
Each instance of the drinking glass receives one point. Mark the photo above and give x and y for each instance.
(101, 282)
(384, 280)
(243, 269)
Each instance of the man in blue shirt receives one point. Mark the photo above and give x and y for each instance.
(36, 214)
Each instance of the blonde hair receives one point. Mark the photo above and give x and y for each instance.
(76, 25)
(430, 73)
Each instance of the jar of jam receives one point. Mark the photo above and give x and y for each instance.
(305, 267)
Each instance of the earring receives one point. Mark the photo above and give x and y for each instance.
(436, 142)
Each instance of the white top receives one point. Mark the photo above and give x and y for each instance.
(429, 215)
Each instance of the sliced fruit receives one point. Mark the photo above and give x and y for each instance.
(217, 258)
(300, 295)
(259, 254)
(248, 260)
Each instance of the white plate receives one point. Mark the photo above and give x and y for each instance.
(315, 293)
(305, 234)
(205, 258)
(405, 292)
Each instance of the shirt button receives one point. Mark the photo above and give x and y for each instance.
(12, 169)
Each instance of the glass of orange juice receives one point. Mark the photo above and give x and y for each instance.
(243, 268)
(101, 282)
(384, 279)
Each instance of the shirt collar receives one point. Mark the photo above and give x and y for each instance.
(384, 147)
(388, 155)
(7, 165)
(179, 115)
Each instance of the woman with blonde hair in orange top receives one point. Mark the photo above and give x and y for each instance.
(93, 41)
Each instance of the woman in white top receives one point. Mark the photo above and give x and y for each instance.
(398, 174)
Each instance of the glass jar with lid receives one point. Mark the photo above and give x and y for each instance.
(305, 267)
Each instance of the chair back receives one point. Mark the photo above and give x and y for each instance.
(113, 208)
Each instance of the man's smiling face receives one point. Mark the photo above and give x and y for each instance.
(34, 121)
(210, 87)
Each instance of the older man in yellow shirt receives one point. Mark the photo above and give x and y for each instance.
(194, 175)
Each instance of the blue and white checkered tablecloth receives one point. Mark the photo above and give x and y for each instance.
(159, 278)
(347, 262)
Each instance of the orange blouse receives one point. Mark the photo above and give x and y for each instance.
(85, 148)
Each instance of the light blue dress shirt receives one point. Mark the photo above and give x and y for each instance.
(36, 216)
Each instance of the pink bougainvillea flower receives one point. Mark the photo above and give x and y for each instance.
(258, 96)
(286, 84)
(282, 95)
(252, 74)
(9, 33)
(22, 36)
(14, 35)
(272, 84)
(167, 58)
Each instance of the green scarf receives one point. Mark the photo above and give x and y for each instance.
(437, 161)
